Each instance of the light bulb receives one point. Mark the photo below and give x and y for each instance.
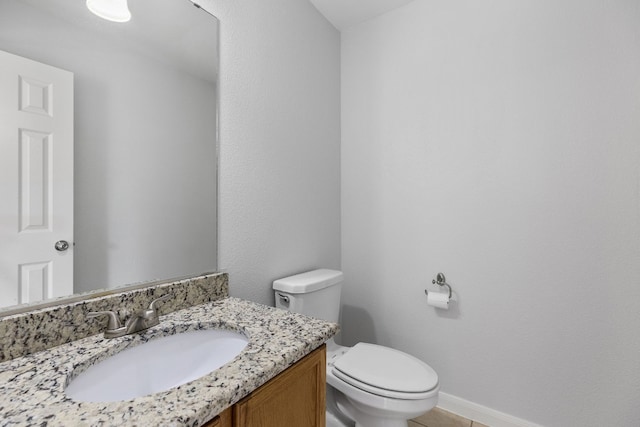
(111, 10)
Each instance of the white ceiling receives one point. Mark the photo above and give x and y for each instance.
(345, 13)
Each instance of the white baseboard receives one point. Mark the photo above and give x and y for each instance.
(482, 414)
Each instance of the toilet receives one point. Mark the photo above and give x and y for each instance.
(367, 384)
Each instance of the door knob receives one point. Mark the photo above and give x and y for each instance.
(61, 245)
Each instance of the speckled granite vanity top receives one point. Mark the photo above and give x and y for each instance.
(32, 387)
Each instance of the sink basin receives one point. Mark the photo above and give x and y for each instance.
(156, 365)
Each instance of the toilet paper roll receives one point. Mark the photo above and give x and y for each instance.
(438, 299)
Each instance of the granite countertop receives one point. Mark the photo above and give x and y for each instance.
(32, 387)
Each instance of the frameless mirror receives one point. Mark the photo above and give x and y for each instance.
(142, 175)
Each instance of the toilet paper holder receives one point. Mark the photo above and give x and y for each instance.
(440, 280)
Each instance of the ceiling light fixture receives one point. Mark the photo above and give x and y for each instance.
(111, 10)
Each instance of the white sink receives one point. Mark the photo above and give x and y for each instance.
(156, 365)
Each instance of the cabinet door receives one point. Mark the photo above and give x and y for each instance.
(222, 420)
(296, 397)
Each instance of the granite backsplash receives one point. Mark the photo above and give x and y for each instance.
(37, 330)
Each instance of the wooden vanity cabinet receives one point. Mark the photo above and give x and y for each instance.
(222, 420)
(295, 398)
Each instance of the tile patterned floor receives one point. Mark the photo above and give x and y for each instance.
(440, 418)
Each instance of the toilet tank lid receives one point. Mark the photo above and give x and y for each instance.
(309, 281)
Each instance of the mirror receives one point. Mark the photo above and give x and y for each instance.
(144, 139)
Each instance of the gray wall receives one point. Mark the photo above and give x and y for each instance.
(498, 142)
(279, 201)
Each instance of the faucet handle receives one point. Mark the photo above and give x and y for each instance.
(114, 321)
(154, 304)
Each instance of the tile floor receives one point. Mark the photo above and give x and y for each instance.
(440, 418)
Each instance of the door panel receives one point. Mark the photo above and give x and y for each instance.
(35, 180)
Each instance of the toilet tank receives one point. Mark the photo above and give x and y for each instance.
(314, 293)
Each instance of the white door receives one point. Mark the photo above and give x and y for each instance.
(36, 181)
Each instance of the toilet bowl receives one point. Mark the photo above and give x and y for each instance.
(377, 386)
(367, 385)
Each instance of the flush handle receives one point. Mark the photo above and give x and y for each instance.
(284, 298)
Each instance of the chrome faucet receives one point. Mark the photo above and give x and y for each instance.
(144, 319)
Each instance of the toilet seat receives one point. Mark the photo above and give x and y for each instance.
(386, 372)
